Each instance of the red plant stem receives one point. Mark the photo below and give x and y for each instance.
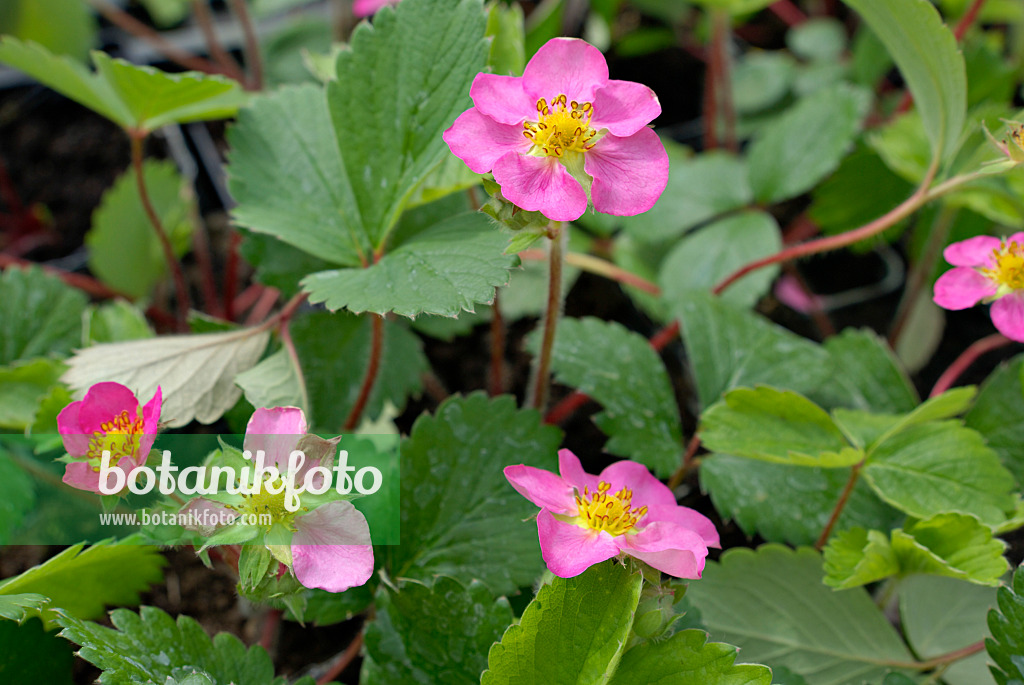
(231, 275)
(844, 496)
(684, 468)
(271, 627)
(251, 47)
(201, 247)
(217, 51)
(721, 26)
(710, 101)
(540, 382)
(343, 661)
(966, 358)
(788, 12)
(263, 306)
(128, 23)
(666, 335)
(376, 346)
(566, 407)
(950, 657)
(496, 384)
(181, 290)
(87, 284)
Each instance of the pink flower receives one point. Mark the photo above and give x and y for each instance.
(108, 418)
(563, 131)
(991, 270)
(330, 545)
(586, 519)
(364, 8)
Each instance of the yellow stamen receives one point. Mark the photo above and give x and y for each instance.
(120, 436)
(563, 126)
(604, 511)
(1008, 266)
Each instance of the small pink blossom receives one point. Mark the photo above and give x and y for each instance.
(564, 131)
(587, 519)
(364, 8)
(987, 270)
(330, 545)
(108, 418)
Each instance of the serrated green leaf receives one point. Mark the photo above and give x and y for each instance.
(702, 259)
(574, 631)
(926, 53)
(857, 557)
(867, 375)
(947, 405)
(121, 227)
(134, 97)
(699, 188)
(447, 268)
(729, 347)
(23, 386)
(196, 373)
(998, 414)
(772, 604)
(334, 352)
(687, 658)
(941, 467)
(904, 147)
(940, 615)
(274, 382)
(31, 655)
(1006, 624)
(83, 582)
(113, 322)
(761, 79)
(40, 316)
(619, 369)
(19, 607)
(151, 647)
(793, 153)
(460, 516)
(433, 635)
(776, 426)
(821, 38)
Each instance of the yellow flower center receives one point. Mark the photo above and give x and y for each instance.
(120, 436)
(264, 502)
(604, 511)
(1008, 270)
(561, 127)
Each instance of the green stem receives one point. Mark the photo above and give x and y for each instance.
(540, 382)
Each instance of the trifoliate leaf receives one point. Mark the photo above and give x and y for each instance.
(574, 631)
(687, 658)
(39, 315)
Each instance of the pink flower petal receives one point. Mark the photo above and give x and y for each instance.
(624, 107)
(976, 251)
(573, 474)
(962, 288)
(364, 8)
(276, 431)
(480, 141)
(1016, 238)
(331, 548)
(150, 424)
(206, 517)
(76, 442)
(648, 491)
(686, 518)
(792, 294)
(565, 66)
(502, 99)
(80, 475)
(1008, 315)
(679, 563)
(663, 535)
(102, 403)
(543, 488)
(629, 173)
(540, 184)
(569, 550)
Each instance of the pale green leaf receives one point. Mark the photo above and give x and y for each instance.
(776, 426)
(772, 604)
(113, 322)
(433, 635)
(574, 631)
(998, 414)
(274, 382)
(82, 583)
(857, 557)
(687, 658)
(904, 147)
(120, 227)
(619, 369)
(460, 516)
(19, 607)
(33, 20)
(947, 405)
(23, 386)
(926, 53)
(798, 149)
(196, 373)
(702, 259)
(867, 375)
(39, 315)
(761, 79)
(821, 38)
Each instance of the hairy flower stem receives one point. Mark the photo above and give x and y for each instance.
(540, 381)
(376, 346)
(966, 358)
(181, 290)
(922, 196)
(844, 497)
